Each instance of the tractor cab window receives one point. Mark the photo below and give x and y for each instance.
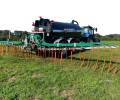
(87, 32)
(41, 22)
(90, 31)
(44, 22)
(37, 23)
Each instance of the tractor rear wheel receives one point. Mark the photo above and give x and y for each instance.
(96, 40)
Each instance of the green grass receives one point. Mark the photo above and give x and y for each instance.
(40, 79)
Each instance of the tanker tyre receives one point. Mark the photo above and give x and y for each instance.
(96, 40)
(74, 41)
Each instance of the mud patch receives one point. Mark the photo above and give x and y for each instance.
(67, 94)
(37, 75)
(12, 79)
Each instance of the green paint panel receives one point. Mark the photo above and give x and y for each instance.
(11, 43)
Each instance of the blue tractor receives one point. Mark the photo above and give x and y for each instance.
(88, 34)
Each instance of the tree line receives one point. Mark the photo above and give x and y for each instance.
(18, 35)
(110, 37)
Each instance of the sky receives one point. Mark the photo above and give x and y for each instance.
(103, 14)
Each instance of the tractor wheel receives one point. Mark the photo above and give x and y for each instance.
(96, 40)
(61, 40)
(34, 47)
(73, 40)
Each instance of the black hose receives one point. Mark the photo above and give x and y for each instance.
(73, 22)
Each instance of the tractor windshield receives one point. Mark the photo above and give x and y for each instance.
(44, 22)
(37, 23)
(87, 30)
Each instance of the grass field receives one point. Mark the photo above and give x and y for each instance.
(40, 79)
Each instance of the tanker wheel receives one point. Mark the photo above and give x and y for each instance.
(96, 40)
(63, 41)
(64, 54)
(34, 47)
(74, 41)
(90, 40)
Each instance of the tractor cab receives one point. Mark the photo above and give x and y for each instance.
(42, 23)
(88, 34)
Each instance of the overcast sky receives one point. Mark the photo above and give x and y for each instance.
(103, 14)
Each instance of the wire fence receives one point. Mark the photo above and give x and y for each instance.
(98, 59)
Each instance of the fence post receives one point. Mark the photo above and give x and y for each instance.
(114, 70)
(0, 49)
(89, 55)
(80, 56)
(110, 60)
(61, 53)
(40, 52)
(103, 65)
(54, 56)
(97, 60)
(52, 59)
(15, 50)
(71, 55)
